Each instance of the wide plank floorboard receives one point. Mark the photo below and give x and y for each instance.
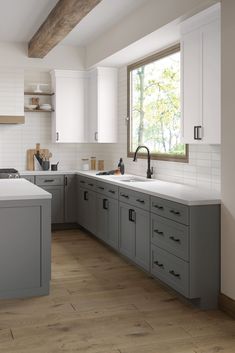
(100, 303)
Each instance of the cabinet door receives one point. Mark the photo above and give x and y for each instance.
(127, 231)
(113, 225)
(91, 212)
(70, 199)
(82, 206)
(191, 72)
(92, 107)
(211, 82)
(142, 238)
(68, 120)
(102, 217)
(57, 203)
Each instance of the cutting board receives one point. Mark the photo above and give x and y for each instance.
(30, 157)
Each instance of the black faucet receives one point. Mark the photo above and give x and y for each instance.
(149, 170)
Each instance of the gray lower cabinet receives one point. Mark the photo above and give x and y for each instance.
(54, 184)
(57, 203)
(25, 248)
(86, 209)
(29, 178)
(185, 249)
(107, 220)
(134, 230)
(70, 198)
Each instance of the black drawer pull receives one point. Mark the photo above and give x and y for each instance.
(91, 184)
(173, 273)
(49, 180)
(177, 240)
(158, 207)
(131, 215)
(124, 195)
(82, 181)
(112, 191)
(85, 194)
(158, 264)
(139, 200)
(177, 213)
(105, 204)
(158, 232)
(101, 187)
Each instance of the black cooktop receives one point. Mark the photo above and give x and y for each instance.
(8, 170)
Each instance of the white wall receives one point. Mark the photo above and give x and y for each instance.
(145, 20)
(61, 57)
(227, 149)
(203, 169)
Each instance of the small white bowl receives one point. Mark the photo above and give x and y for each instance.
(31, 106)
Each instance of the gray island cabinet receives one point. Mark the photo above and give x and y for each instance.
(25, 239)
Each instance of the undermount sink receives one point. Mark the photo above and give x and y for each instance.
(131, 179)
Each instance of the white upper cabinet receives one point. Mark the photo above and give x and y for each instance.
(85, 104)
(200, 75)
(68, 120)
(11, 92)
(102, 105)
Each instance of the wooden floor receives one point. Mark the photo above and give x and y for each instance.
(99, 303)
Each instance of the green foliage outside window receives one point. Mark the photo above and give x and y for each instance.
(155, 106)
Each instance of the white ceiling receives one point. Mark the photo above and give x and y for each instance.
(105, 15)
(20, 19)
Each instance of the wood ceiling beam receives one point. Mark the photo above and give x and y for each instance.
(60, 21)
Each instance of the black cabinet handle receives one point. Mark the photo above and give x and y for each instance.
(65, 180)
(158, 264)
(112, 191)
(49, 180)
(85, 194)
(158, 207)
(173, 273)
(105, 204)
(100, 187)
(82, 181)
(91, 184)
(177, 213)
(139, 200)
(131, 215)
(177, 240)
(124, 195)
(196, 132)
(158, 232)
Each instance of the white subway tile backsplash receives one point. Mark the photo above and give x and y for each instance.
(203, 169)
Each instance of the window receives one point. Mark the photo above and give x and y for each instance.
(154, 106)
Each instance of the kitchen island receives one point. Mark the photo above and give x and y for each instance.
(25, 239)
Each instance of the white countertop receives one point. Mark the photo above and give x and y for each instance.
(181, 193)
(185, 194)
(47, 172)
(21, 189)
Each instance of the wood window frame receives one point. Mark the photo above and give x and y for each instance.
(130, 68)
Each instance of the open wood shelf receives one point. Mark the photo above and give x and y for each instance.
(38, 110)
(38, 94)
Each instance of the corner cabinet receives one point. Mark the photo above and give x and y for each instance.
(102, 105)
(200, 72)
(68, 120)
(85, 104)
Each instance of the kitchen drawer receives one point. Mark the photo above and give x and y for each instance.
(107, 189)
(28, 177)
(170, 269)
(170, 236)
(42, 180)
(87, 183)
(134, 198)
(169, 209)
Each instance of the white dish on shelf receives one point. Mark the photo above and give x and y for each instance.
(31, 106)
